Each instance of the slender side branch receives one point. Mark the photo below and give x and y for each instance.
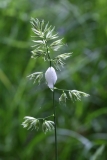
(46, 117)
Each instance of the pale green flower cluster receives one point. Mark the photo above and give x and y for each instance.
(74, 95)
(33, 123)
(36, 77)
(48, 126)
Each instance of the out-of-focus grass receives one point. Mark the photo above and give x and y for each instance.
(82, 129)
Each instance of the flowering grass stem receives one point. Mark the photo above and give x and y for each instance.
(44, 44)
(56, 154)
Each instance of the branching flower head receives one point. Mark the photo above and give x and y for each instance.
(73, 94)
(45, 41)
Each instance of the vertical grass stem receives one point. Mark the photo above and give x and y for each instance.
(56, 154)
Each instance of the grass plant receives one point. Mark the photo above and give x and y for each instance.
(46, 42)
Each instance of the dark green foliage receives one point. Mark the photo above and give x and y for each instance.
(82, 126)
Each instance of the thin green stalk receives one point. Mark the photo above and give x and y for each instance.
(56, 154)
(61, 89)
(46, 117)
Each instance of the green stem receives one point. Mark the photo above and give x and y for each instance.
(61, 89)
(46, 117)
(56, 154)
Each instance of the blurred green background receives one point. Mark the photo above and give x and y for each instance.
(82, 126)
